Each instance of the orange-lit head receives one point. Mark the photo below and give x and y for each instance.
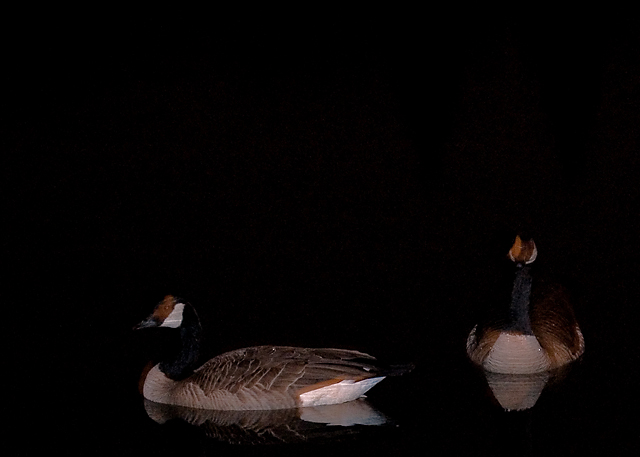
(523, 251)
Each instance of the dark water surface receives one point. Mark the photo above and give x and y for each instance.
(338, 182)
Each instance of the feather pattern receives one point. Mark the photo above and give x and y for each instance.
(554, 325)
(263, 377)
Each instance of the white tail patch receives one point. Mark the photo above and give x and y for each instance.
(340, 392)
(174, 320)
(516, 354)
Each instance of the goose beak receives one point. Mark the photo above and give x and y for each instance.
(149, 322)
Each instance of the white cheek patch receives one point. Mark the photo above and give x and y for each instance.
(174, 320)
(534, 254)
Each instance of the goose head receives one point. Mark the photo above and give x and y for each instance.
(180, 361)
(168, 313)
(523, 252)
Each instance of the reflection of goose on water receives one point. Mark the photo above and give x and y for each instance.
(276, 426)
(255, 378)
(517, 392)
(538, 332)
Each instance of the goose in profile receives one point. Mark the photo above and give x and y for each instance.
(254, 378)
(536, 333)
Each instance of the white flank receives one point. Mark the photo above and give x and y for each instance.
(340, 392)
(516, 354)
(174, 320)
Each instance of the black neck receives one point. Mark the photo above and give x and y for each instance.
(520, 297)
(181, 364)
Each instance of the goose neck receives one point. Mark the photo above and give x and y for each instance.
(181, 364)
(520, 301)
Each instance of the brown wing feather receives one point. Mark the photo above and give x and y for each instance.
(280, 369)
(480, 342)
(555, 326)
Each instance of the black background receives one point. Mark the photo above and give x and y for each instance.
(342, 179)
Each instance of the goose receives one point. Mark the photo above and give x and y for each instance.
(537, 333)
(253, 378)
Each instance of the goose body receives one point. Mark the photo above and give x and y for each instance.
(540, 331)
(255, 378)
